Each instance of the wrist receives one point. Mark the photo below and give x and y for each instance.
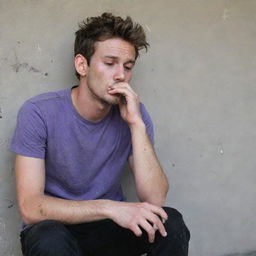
(138, 125)
(109, 208)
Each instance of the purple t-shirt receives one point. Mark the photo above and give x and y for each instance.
(83, 159)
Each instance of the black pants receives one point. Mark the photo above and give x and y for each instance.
(104, 238)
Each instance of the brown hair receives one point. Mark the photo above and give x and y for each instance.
(107, 26)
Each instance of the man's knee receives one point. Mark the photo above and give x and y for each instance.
(175, 225)
(49, 238)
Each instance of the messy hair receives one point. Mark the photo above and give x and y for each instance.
(104, 27)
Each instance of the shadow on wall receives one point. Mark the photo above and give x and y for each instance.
(253, 253)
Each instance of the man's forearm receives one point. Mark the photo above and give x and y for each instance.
(151, 182)
(43, 207)
(133, 216)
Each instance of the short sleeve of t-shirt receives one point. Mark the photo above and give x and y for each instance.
(29, 138)
(148, 122)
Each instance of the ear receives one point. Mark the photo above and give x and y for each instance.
(81, 65)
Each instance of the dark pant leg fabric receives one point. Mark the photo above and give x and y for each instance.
(48, 238)
(177, 241)
(104, 237)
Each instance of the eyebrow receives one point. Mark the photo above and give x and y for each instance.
(132, 61)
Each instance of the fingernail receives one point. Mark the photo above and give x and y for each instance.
(155, 227)
(165, 234)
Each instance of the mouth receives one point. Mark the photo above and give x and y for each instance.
(120, 96)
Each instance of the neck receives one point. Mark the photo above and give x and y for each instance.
(88, 106)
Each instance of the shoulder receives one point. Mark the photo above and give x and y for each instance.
(48, 97)
(45, 102)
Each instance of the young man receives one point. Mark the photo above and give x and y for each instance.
(71, 147)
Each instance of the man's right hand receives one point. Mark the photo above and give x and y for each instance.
(137, 216)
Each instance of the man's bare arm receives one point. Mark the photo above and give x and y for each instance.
(35, 206)
(151, 182)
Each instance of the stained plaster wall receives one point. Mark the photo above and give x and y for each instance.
(197, 81)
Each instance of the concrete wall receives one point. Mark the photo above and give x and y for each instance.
(197, 81)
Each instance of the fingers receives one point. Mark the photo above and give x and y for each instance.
(151, 225)
(136, 230)
(123, 89)
(141, 216)
(152, 220)
(121, 85)
(157, 210)
(129, 102)
(156, 224)
(149, 229)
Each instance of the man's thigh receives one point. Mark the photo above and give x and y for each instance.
(48, 238)
(51, 238)
(106, 238)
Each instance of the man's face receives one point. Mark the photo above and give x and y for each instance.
(111, 63)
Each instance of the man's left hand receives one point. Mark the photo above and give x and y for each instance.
(129, 102)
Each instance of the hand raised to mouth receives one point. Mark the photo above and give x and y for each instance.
(129, 102)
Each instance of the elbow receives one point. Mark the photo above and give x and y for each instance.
(157, 197)
(160, 197)
(29, 214)
(154, 192)
(167, 187)
(165, 190)
(28, 220)
(160, 200)
(155, 200)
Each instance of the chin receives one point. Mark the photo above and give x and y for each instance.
(109, 100)
(112, 100)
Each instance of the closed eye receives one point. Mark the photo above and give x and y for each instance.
(128, 68)
(109, 63)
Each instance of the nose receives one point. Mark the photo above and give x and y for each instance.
(119, 75)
